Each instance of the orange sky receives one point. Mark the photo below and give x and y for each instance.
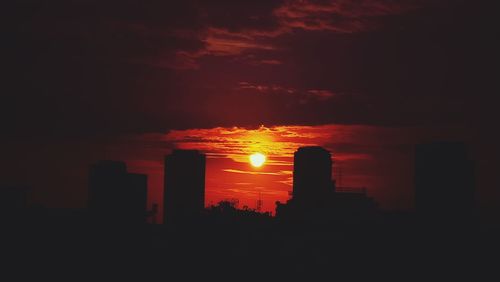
(229, 173)
(370, 78)
(378, 158)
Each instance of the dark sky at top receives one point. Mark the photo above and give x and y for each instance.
(87, 68)
(145, 66)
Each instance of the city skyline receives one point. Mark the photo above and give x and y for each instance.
(378, 159)
(444, 187)
(299, 138)
(92, 80)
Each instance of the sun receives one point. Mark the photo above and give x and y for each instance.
(257, 159)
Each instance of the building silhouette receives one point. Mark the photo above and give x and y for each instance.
(312, 173)
(115, 194)
(315, 196)
(444, 179)
(184, 190)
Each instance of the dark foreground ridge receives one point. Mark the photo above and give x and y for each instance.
(227, 242)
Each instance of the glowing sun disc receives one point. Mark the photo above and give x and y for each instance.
(257, 159)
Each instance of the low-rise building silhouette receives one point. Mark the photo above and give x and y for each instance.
(444, 179)
(115, 194)
(184, 185)
(315, 196)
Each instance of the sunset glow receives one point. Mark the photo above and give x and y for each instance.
(257, 159)
(356, 150)
(233, 78)
(230, 173)
(290, 139)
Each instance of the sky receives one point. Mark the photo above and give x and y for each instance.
(131, 80)
(379, 159)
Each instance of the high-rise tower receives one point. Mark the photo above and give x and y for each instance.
(184, 190)
(312, 173)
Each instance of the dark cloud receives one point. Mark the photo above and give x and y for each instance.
(341, 16)
(92, 67)
(237, 16)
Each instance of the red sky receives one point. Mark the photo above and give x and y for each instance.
(378, 158)
(131, 80)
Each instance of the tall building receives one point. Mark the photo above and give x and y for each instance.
(312, 173)
(315, 196)
(444, 179)
(184, 191)
(115, 194)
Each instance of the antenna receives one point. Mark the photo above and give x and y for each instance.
(259, 202)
